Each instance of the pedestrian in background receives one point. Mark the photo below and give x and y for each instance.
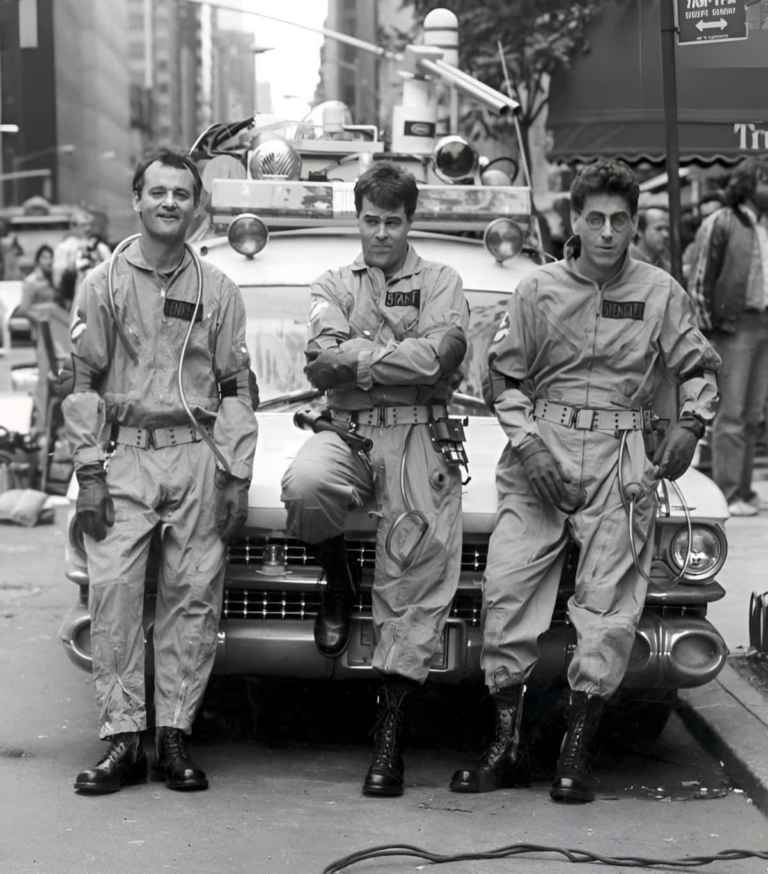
(37, 288)
(10, 252)
(161, 476)
(729, 287)
(80, 250)
(652, 238)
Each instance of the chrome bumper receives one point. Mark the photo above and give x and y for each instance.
(669, 652)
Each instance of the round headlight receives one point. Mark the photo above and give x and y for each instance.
(274, 158)
(503, 238)
(454, 159)
(248, 235)
(707, 551)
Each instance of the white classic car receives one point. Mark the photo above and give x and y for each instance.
(273, 587)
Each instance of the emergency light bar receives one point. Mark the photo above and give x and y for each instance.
(288, 203)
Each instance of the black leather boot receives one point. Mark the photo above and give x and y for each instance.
(385, 776)
(506, 762)
(124, 764)
(573, 784)
(332, 623)
(173, 764)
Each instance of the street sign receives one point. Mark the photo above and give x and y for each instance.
(701, 21)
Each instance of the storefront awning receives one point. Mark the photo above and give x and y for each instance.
(610, 103)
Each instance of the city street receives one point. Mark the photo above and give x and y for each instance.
(285, 795)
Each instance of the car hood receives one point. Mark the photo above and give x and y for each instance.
(280, 440)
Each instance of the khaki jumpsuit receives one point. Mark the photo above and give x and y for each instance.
(399, 324)
(574, 343)
(166, 490)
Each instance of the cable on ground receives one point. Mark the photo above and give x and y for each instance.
(511, 850)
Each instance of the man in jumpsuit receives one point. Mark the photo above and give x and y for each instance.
(386, 339)
(571, 378)
(159, 477)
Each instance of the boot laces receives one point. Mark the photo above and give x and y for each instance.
(173, 745)
(507, 738)
(388, 726)
(117, 748)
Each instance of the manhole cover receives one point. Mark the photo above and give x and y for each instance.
(15, 591)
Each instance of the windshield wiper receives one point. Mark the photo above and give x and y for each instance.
(303, 394)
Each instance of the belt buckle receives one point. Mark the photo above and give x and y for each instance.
(579, 415)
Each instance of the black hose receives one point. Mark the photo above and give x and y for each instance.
(511, 850)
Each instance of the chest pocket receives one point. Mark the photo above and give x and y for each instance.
(401, 309)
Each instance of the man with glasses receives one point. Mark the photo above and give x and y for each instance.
(572, 379)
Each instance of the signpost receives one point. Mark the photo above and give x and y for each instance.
(703, 21)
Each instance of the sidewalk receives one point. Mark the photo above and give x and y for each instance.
(729, 716)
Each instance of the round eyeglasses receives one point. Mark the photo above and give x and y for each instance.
(596, 221)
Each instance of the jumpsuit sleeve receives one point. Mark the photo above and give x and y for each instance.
(92, 334)
(689, 358)
(438, 350)
(235, 431)
(509, 363)
(328, 325)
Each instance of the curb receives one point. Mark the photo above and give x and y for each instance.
(730, 720)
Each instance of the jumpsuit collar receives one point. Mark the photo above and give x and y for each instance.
(412, 264)
(571, 252)
(134, 256)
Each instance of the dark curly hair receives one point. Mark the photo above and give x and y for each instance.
(387, 186)
(170, 157)
(744, 178)
(605, 177)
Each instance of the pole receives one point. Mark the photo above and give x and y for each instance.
(669, 79)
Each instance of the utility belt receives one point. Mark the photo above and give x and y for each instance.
(589, 419)
(154, 438)
(386, 417)
(447, 434)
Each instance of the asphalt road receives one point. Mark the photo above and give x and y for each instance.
(286, 763)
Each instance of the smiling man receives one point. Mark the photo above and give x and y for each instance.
(145, 472)
(572, 384)
(386, 340)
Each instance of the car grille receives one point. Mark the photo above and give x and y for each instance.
(244, 551)
(263, 604)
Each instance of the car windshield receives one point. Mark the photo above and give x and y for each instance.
(277, 336)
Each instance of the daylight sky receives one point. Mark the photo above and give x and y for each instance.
(293, 64)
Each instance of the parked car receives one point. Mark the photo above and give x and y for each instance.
(273, 587)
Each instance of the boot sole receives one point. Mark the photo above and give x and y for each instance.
(101, 789)
(566, 796)
(185, 786)
(380, 792)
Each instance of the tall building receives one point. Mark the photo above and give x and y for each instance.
(234, 75)
(65, 83)
(367, 83)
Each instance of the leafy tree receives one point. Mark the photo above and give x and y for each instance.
(537, 38)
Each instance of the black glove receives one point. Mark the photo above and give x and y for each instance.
(544, 473)
(95, 510)
(253, 388)
(331, 367)
(231, 504)
(63, 384)
(452, 349)
(675, 454)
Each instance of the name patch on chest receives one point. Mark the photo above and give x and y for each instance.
(182, 309)
(403, 298)
(623, 309)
